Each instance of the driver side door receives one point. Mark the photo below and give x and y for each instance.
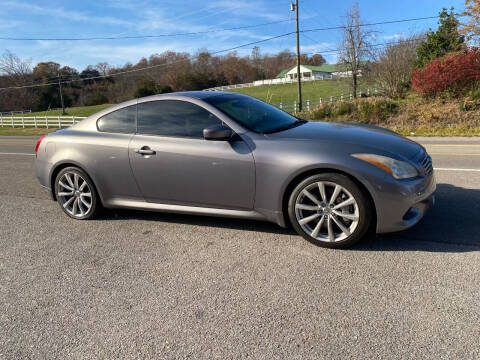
(173, 163)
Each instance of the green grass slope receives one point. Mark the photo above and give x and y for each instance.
(74, 111)
(276, 94)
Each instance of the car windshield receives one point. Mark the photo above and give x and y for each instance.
(253, 114)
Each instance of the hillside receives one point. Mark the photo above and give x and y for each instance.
(276, 94)
(413, 115)
(273, 94)
(74, 111)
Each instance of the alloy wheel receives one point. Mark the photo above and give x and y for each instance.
(327, 211)
(74, 194)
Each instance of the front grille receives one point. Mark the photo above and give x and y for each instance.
(426, 163)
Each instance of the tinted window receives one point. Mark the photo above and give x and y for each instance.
(252, 113)
(174, 118)
(119, 121)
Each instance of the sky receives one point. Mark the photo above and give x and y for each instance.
(107, 18)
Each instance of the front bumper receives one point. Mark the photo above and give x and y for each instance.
(405, 204)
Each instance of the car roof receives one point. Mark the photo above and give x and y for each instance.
(198, 95)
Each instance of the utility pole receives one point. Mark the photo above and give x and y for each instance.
(294, 7)
(61, 94)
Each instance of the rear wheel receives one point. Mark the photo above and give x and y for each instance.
(329, 210)
(76, 194)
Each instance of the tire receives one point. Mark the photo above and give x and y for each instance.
(76, 194)
(337, 223)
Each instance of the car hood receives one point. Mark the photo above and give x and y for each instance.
(355, 134)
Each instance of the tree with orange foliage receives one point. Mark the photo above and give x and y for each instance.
(472, 10)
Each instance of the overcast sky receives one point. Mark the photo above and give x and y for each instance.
(94, 18)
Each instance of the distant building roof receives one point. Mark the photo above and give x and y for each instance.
(327, 68)
(282, 73)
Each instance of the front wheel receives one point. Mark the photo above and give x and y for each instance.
(76, 194)
(329, 210)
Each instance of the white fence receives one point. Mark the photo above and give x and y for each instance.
(266, 82)
(307, 105)
(39, 121)
(65, 121)
(15, 112)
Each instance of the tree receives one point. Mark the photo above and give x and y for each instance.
(145, 87)
(394, 64)
(472, 27)
(257, 63)
(103, 68)
(438, 43)
(88, 73)
(356, 47)
(15, 72)
(315, 60)
(46, 71)
(11, 65)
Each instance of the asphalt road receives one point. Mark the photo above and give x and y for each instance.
(149, 285)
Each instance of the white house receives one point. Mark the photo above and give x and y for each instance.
(310, 72)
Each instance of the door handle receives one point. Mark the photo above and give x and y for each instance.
(145, 150)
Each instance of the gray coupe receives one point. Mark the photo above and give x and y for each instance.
(226, 154)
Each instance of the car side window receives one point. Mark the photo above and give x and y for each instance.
(119, 121)
(174, 118)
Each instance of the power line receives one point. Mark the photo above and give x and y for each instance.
(147, 36)
(325, 52)
(333, 51)
(373, 24)
(213, 31)
(315, 42)
(202, 32)
(145, 68)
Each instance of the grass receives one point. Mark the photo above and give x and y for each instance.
(5, 131)
(276, 94)
(74, 111)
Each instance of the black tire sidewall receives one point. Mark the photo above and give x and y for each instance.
(364, 208)
(95, 202)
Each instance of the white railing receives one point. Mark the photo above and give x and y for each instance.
(268, 82)
(15, 112)
(307, 105)
(39, 121)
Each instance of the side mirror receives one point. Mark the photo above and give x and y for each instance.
(217, 133)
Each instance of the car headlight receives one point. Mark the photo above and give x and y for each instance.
(397, 168)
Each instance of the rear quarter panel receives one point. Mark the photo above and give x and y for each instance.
(103, 156)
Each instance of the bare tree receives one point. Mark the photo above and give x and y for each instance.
(356, 47)
(14, 67)
(393, 65)
(15, 72)
(103, 68)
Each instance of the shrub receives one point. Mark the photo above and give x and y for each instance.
(376, 112)
(96, 99)
(366, 111)
(145, 87)
(322, 112)
(343, 109)
(452, 73)
(474, 93)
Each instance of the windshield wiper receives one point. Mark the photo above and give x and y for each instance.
(290, 126)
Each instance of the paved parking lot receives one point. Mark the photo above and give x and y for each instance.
(149, 285)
